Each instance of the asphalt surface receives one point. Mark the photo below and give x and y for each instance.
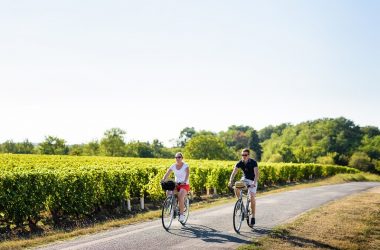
(212, 228)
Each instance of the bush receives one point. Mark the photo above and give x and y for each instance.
(361, 161)
(276, 158)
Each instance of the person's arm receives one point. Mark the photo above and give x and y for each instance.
(256, 170)
(187, 174)
(166, 175)
(233, 176)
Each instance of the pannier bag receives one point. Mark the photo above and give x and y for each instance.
(168, 185)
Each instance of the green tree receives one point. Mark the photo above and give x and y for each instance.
(139, 149)
(236, 137)
(76, 149)
(53, 145)
(370, 131)
(207, 147)
(112, 143)
(371, 146)
(185, 135)
(25, 147)
(9, 147)
(266, 133)
(91, 148)
(362, 162)
(308, 141)
(275, 158)
(159, 151)
(254, 144)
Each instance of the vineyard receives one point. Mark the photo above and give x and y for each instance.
(32, 186)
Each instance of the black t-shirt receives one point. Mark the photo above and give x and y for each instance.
(247, 168)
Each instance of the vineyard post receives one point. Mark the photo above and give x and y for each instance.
(129, 205)
(142, 202)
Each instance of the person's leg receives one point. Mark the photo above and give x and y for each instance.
(252, 195)
(253, 204)
(181, 199)
(237, 192)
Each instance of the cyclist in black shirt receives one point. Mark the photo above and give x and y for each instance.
(250, 177)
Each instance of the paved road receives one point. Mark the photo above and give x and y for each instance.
(212, 228)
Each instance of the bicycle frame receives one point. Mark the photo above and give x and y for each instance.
(248, 202)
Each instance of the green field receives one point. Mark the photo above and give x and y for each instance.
(63, 187)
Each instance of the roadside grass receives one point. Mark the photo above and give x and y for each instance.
(350, 223)
(51, 235)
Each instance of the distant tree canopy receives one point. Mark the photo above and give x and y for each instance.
(139, 149)
(239, 137)
(322, 140)
(207, 147)
(25, 147)
(112, 143)
(328, 141)
(185, 135)
(266, 133)
(53, 145)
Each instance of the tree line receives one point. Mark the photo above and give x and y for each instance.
(111, 144)
(329, 140)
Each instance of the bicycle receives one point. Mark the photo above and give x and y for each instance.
(170, 208)
(241, 211)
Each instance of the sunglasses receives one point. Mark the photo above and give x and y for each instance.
(178, 157)
(244, 155)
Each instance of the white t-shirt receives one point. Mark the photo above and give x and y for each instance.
(180, 174)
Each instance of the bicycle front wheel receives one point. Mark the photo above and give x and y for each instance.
(186, 210)
(238, 216)
(167, 213)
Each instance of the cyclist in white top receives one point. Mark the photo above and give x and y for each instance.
(181, 173)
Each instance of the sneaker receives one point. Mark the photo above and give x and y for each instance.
(181, 218)
(253, 221)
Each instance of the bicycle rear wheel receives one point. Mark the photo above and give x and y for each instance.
(249, 213)
(167, 213)
(238, 216)
(186, 210)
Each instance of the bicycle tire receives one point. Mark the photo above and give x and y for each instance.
(249, 212)
(186, 210)
(167, 213)
(238, 215)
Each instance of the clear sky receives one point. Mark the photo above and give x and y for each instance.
(74, 69)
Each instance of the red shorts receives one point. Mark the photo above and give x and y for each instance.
(184, 186)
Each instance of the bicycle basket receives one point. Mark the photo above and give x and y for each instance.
(240, 184)
(168, 185)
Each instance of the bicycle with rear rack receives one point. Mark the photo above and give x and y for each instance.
(170, 207)
(242, 211)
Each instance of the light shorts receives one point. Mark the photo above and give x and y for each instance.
(252, 189)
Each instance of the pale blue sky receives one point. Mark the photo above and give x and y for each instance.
(76, 68)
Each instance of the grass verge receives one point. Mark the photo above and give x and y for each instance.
(53, 235)
(350, 223)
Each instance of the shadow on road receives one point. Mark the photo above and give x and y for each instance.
(256, 231)
(208, 234)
